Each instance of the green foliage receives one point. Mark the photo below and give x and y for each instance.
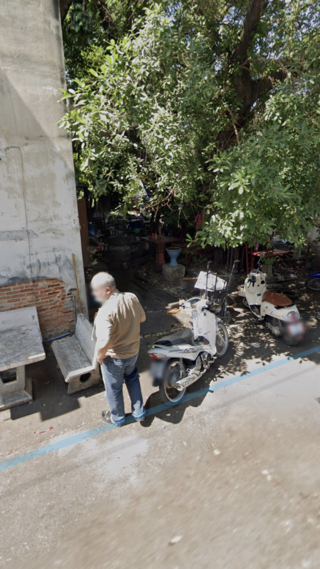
(144, 114)
(83, 38)
(270, 181)
(171, 98)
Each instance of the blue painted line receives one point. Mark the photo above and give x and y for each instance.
(52, 447)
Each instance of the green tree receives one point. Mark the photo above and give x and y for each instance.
(209, 102)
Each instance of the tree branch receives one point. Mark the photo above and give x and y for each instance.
(64, 7)
(250, 90)
(107, 21)
(265, 84)
(251, 21)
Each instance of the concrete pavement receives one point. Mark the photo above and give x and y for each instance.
(228, 479)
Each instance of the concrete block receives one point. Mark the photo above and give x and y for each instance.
(16, 398)
(20, 338)
(70, 357)
(20, 344)
(84, 381)
(85, 337)
(173, 273)
(76, 357)
(16, 385)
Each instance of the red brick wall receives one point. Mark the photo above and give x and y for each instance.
(55, 306)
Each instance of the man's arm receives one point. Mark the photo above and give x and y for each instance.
(103, 333)
(142, 314)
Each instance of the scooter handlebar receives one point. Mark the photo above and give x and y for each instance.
(194, 300)
(197, 298)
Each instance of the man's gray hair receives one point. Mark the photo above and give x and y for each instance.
(103, 280)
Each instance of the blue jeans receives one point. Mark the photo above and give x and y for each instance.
(115, 372)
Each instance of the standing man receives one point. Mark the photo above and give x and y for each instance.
(117, 327)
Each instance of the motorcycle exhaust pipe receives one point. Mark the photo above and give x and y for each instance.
(188, 380)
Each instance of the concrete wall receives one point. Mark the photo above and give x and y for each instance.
(39, 226)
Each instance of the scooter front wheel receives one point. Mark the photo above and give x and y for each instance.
(222, 339)
(313, 284)
(168, 393)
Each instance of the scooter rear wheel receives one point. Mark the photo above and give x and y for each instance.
(290, 340)
(168, 393)
(284, 334)
(313, 284)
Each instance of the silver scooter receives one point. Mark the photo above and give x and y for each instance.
(180, 359)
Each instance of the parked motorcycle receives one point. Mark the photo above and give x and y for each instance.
(180, 359)
(313, 282)
(278, 311)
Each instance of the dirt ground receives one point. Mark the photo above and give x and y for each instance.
(227, 479)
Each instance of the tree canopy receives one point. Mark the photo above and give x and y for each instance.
(210, 103)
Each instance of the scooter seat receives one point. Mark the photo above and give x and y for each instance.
(279, 300)
(181, 337)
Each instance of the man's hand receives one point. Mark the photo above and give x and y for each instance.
(101, 355)
(100, 358)
(102, 352)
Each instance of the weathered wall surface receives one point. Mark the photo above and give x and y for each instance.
(54, 304)
(39, 226)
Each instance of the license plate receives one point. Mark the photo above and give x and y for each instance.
(296, 328)
(157, 369)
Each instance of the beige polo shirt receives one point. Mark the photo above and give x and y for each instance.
(118, 320)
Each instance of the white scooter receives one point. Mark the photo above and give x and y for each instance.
(278, 311)
(180, 359)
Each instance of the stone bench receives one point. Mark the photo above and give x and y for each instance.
(76, 356)
(20, 345)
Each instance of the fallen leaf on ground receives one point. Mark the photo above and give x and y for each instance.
(42, 432)
(175, 539)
